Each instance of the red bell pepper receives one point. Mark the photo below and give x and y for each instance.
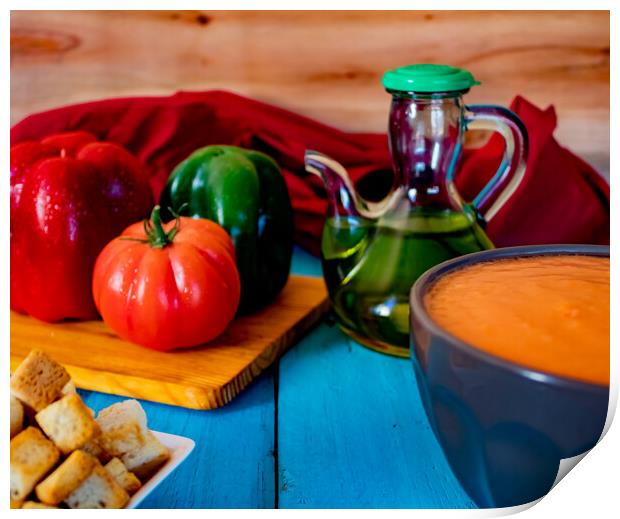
(70, 195)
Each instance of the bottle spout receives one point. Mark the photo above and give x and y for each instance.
(340, 191)
(343, 198)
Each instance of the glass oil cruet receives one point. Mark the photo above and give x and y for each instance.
(372, 253)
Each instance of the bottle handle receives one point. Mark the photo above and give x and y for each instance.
(512, 168)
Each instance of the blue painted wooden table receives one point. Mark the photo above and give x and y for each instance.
(332, 425)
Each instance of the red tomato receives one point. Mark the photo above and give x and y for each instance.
(168, 286)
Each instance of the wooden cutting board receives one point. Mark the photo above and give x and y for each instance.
(200, 378)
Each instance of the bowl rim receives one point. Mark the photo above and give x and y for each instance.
(430, 276)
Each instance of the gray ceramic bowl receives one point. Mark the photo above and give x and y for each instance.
(503, 427)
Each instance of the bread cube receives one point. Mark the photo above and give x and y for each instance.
(38, 380)
(66, 478)
(99, 490)
(122, 476)
(16, 504)
(69, 387)
(94, 448)
(68, 422)
(147, 459)
(34, 504)
(123, 427)
(32, 456)
(17, 416)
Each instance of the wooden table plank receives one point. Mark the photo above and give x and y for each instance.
(305, 264)
(232, 465)
(352, 432)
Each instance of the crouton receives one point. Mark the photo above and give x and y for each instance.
(123, 427)
(68, 422)
(94, 448)
(17, 416)
(66, 478)
(146, 460)
(99, 490)
(69, 387)
(34, 504)
(122, 476)
(38, 380)
(32, 457)
(16, 503)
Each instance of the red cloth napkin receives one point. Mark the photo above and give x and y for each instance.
(561, 199)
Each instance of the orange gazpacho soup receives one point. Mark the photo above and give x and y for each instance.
(549, 313)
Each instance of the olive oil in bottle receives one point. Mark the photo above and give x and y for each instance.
(370, 267)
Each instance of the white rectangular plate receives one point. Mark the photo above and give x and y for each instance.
(179, 448)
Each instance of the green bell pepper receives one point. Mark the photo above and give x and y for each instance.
(243, 191)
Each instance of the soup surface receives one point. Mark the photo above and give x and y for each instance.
(549, 313)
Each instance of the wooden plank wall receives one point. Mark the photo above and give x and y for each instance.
(327, 65)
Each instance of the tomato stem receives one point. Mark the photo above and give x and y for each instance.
(157, 236)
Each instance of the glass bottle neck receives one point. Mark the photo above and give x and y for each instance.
(425, 138)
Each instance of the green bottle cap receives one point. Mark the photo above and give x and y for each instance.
(428, 78)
